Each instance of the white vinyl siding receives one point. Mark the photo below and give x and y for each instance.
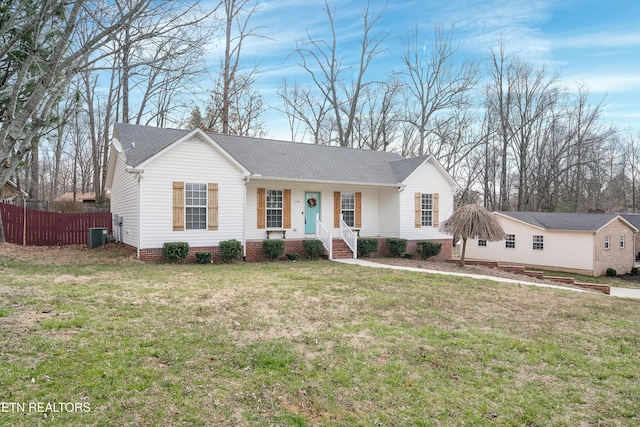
(562, 249)
(370, 207)
(426, 179)
(192, 161)
(124, 202)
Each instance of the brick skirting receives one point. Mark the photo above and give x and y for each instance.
(255, 253)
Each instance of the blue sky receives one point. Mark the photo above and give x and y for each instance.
(595, 42)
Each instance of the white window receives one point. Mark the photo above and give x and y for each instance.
(427, 210)
(195, 204)
(538, 242)
(348, 208)
(607, 243)
(622, 241)
(482, 242)
(274, 208)
(510, 242)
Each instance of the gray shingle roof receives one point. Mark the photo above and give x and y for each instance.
(633, 219)
(279, 159)
(563, 221)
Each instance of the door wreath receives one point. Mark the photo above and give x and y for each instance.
(312, 202)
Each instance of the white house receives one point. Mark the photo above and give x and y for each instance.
(575, 242)
(170, 185)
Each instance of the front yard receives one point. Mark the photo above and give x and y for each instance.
(305, 343)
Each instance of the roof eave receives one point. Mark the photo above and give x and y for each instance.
(318, 181)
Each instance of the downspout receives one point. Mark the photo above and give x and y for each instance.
(139, 215)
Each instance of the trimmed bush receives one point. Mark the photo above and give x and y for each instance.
(428, 249)
(397, 247)
(273, 248)
(635, 271)
(367, 246)
(292, 257)
(230, 250)
(313, 247)
(611, 272)
(203, 257)
(175, 251)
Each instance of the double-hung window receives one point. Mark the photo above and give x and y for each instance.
(622, 241)
(482, 242)
(274, 208)
(427, 210)
(348, 208)
(607, 242)
(195, 203)
(510, 242)
(538, 242)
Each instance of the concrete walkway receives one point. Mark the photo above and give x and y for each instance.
(616, 292)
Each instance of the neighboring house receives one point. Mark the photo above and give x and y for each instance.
(574, 242)
(89, 198)
(635, 220)
(10, 193)
(170, 185)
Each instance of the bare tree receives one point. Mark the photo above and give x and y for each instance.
(39, 57)
(434, 81)
(319, 58)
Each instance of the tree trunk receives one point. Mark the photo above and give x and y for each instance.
(464, 249)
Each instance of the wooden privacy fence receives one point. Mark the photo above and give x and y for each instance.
(41, 228)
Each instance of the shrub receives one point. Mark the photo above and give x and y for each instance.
(428, 249)
(175, 251)
(313, 247)
(635, 271)
(397, 247)
(611, 272)
(273, 248)
(203, 257)
(367, 246)
(230, 250)
(292, 257)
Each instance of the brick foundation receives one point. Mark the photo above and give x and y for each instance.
(155, 254)
(255, 253)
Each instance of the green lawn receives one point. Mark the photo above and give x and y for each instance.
(307, 343)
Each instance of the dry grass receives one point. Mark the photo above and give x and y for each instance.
(307, 343)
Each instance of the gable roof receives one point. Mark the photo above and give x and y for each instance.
(565, 221)
(633, 219)
(276, 159)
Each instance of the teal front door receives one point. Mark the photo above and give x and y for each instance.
(311, 208)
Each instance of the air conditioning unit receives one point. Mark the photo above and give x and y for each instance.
(97, 237)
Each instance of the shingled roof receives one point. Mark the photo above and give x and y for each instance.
(563, 221)
(279, 159)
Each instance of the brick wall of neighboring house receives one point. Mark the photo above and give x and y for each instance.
(620, 259)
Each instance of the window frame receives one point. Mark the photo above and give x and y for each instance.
(622, 241)
(194, 220)
(426, 212)
(607, 242)
(510, 241)
(537, 242)
(274, 212)
(348, 206)
(482, 243)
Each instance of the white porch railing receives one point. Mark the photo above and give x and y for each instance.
(349, 236)
(324, 236)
